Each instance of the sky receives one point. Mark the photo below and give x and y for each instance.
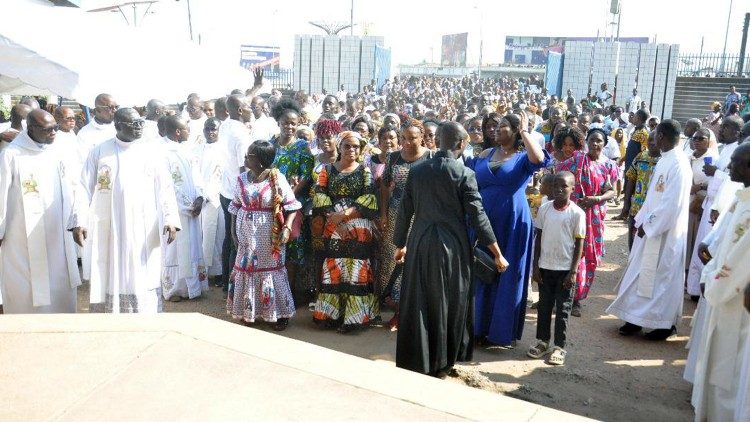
(413, 28)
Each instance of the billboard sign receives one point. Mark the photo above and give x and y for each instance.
(252, 56)
(454, 49)
(534, 50)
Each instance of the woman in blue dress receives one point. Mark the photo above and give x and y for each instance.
(502, 175)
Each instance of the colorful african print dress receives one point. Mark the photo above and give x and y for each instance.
(346, 291)
(260, 287)
(396, 171)
(591, 179)
(295, 159)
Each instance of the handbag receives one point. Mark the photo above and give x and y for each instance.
(483, 266)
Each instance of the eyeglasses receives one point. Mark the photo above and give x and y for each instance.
(135, 123)
(247, 156)
(474, 130)
(47, 130)
(68, 119)
(113, 107)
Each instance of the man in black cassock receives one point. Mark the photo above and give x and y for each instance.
(435, 319)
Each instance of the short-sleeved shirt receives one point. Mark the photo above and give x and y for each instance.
(560, 229)
(235, 139)
(640, 174)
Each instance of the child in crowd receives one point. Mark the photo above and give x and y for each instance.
(560, 230)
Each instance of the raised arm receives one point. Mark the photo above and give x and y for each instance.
(533, 150)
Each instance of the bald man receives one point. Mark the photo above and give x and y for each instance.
(184, 275)
(154, 110)
(100, 128)
(39, 273)
(130, 197)
(17, 119)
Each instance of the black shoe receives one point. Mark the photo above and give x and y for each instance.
(661, 334)
(281, 324)
(695, 298)
(629, 329)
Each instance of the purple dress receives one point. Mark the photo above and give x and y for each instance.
(501, 307)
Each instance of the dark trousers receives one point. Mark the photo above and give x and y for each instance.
(552, 294)
(228, 250)
(631, 231)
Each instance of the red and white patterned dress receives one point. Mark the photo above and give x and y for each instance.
(260, 286)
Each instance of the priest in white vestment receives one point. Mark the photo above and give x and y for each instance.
(184, 275)
(719, 195)
(650, 292)
(717, 377)
(742, 406)
(38, 269)
(210, 160)
(705, 251)
(100, 127)
(131, 207)
(196, 120)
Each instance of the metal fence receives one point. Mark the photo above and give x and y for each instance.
(721, 65)
(281, 78)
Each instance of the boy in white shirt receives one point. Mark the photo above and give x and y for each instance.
(560, 230)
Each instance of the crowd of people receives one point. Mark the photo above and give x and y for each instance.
(347, 203)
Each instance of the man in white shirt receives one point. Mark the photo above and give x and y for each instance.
(650, 293)
(100, 128)
(341, 95)
(603, 95)
(234, 139)
(634, 102)
(265, 127)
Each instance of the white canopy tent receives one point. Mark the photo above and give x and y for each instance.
(42, 53)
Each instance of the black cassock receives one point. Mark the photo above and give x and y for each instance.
(436, 309)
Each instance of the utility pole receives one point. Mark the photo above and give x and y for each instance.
(190, 20)
(726, 35)
(743, 46)
(351, 19)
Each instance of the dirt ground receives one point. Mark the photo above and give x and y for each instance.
(606, 376)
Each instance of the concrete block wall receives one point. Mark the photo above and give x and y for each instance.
(660, 79)
(627, 71)
(604, 67)
(674, 57)
(316, 64)
(331, 64)
(646, 72)
(577, 67)
(349, 64)
(327, 62)
(368, 62)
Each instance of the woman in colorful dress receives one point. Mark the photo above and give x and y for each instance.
(326, 132)
(263, 211)
(392, 186)
(345, 196)
(502, 175)
(295, 162)
(595, 176)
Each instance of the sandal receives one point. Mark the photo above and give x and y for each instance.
(541, 349)
(557, 357)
